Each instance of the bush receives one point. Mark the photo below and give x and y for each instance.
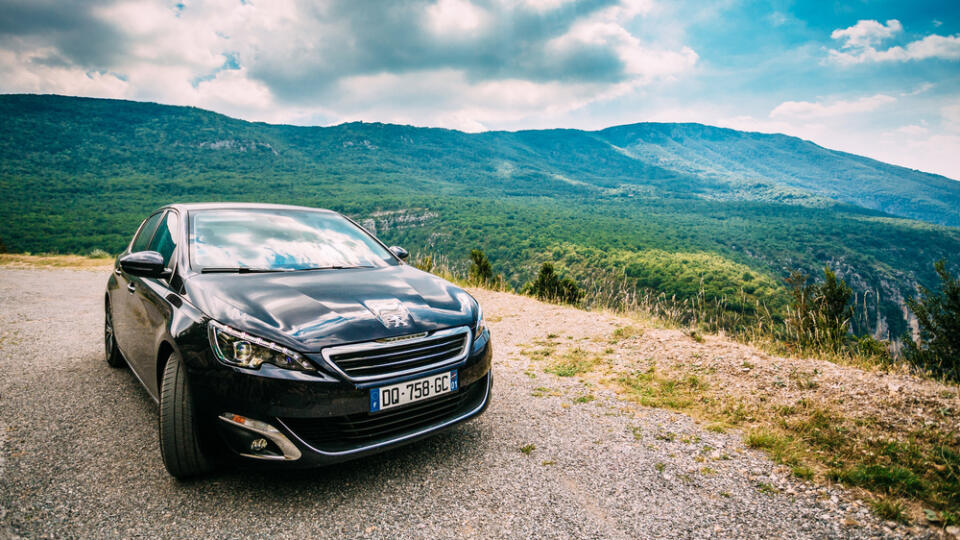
(874, 349)
(550, 286)
(481, 272)
(938, 318)
(820, 314)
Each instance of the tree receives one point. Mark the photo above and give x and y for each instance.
(481, 272)
(938, 318)
(820, 314)
(800, 321)
(550, 286)
(832, 299)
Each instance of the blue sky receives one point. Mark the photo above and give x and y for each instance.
(878, 78)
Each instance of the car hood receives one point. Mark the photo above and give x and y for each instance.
(310, 310)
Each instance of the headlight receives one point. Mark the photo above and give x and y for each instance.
(481, 324)
(241, 349)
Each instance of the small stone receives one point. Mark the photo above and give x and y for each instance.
(953, 531)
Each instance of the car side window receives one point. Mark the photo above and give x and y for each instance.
(146, 233)
(165, 241)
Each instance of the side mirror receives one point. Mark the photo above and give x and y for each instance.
(399, 252)
(144, 264)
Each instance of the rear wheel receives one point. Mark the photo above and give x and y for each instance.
(112, 353)
(180, 443)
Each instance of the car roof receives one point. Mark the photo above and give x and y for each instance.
(240, 206)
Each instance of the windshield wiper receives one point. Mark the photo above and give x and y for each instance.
(334, 267)
(239, 270)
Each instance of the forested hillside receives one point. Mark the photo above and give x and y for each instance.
(683, 209)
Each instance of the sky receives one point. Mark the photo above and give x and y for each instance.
(876, 78)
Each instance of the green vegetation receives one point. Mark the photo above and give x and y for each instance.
(573, 362)
(938, 318)
(708, 233)
(94, 261)
(481, 272)
(550, 286)
(889, 509)
(893, 458)
(820, 314)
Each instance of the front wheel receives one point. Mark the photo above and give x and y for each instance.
(112, 352)
(180, 443)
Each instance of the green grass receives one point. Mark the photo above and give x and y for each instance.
(768, 489)
(803, 472)
(895, 480)
(627, 332)
(655, 390)
(814, 438)
(573, 362)
(889, 509)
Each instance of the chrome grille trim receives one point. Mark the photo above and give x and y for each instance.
(382, 350)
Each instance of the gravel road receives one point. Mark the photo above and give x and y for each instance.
(79, 454)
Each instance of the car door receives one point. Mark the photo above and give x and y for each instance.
(123, 303)
(152, 307)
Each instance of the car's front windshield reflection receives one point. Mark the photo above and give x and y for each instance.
(279, 240)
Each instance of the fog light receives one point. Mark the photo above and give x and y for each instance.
(258, 445)
(263, 440)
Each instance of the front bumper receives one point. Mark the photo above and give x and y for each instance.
(326, 417)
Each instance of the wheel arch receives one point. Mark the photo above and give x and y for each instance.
(163, 354)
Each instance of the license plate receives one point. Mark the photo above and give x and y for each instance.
(398, 394)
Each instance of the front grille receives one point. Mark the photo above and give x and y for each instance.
(379, 360)
(356, 430)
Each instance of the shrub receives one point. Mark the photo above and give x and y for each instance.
(875, 349)
(481, 272)
(425, 264)
(820, 314)
(548, 285)
(938, 318)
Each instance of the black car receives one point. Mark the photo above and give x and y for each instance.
(289, 335)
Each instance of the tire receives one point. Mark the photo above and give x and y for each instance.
(111, 351)
(180, 444)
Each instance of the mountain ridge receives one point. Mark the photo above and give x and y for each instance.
(78, 174)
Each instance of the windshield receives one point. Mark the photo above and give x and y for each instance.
(280, 240)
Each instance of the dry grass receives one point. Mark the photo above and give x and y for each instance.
(895, 436)
(900, 442)
(11, 260)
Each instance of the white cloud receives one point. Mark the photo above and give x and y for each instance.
(913, 130)
(919, 90)
(866, 33)
(540, 5)
(447, 98)
(951, 116)
(21, 73)
(638, 59)
(454, 18)
(859, 45)
(811, 110)
(442, 63)
(917, 145)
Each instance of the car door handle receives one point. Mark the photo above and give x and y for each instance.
(132, 288)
